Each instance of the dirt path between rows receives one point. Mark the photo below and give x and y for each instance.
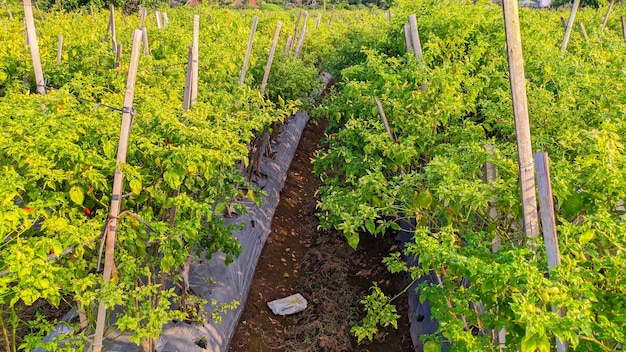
(299, 258)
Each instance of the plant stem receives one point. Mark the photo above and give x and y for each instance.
(5, 333)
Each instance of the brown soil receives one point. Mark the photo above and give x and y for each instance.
(298, 258)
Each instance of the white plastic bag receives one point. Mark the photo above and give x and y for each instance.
(288, 305)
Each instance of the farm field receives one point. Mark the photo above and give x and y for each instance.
(441, 168)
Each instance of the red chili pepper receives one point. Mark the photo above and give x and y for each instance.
(87, 211)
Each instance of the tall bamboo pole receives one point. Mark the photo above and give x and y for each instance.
(415, 37)
(270, 59)
(303, 31)
(113, 36)
(520, 110)
(194, 62)
(31, 34)
(570, 24)
(118, 183)
(246, 59)
(606, 17)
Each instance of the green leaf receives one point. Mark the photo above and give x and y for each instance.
(173, 179)
(432, 346)
(370, 226)
(573, 205)
(529, 343)
(135, 186)
(251, 195)
(220, 207)
(77, 195)
(586, 237)
(425, 199)
(353, 239)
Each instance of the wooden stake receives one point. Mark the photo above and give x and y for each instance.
(59, 49)
(383, 117)
(407, 38)
(118, 184)
(143, 16)
(166, 20)
(288, 45)
(606, 17)
(113, 37)
(187, 92)
(34, 47)
(158, 19)
(144, 36)
(415, 37)
(118, 56)
(332, 16)
(270, 59)
(295, 29)
(520, 110)
(10, 14)
(570, 24)
(623, 27)
(548, 224)
(302, 35)
(389, 15)
(246, 60)
(563, 22)
(582, 28)
(317, 20)
(195, 59)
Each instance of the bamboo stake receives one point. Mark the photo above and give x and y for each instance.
(143, 16)
(383, 117)
(582, 28)
(187, 92)
(548, 224)
(118, 184)
(118, 56)
(407, 38)
(288, 45)
(158, 19)
(563, 22)
(106, 34)
(606, 17)
(34, 46)
(317, 20)
(570, 24)
(520, 110)
(388, 15)
(144, 36)
(302, 35)
(295, 29)
(10, 14)
(332, 16)
(195, 59)
(166, 20)
(246, 60)
(113, 37)
(270, 59)
(415, 38)
(623, 27)
(59, 49)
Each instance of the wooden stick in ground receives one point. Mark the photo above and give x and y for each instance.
(302, 36)
(407, 38)
(415, 38)
(187, 93)
(144, 37)
(158, 19)
(246, 60)
(606, 17)
(317, 20)
(570, 24)
(143, 12)
(113, 37)
(548, 224)
(270, 59)
(10, 14)
(520, 110)
(166, 20)
(383, 117)
(118, 56)
(623, 27)
(59, 49)
(582, 28)
(195, 59)
(332, 16)
(563, 22)
(288, 45)
(118, 183)
(34, 46)
(295, 29)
